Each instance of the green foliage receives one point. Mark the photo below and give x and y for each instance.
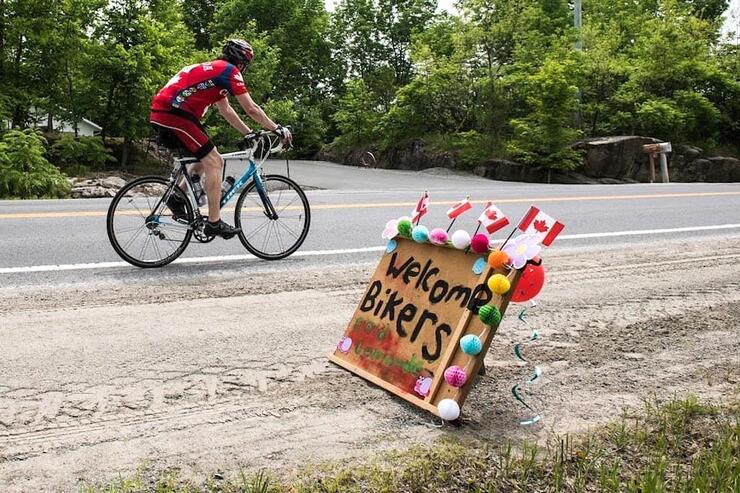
(68, 152)
(544, 135)
(357, 116)
(24, 171)
(502, 73)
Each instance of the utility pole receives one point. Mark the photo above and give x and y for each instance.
(577, 22)
(579, 46)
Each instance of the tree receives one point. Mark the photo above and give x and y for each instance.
(142, 44)
(358, 115)
(544, 135)
(298, 29)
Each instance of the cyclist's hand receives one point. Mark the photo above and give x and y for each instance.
(284, 135)
(251, 139)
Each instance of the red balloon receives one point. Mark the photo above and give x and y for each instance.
(530, 284)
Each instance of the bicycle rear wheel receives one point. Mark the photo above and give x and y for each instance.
(273, 237)
(142, 236)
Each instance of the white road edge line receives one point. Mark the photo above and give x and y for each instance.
(314, 253)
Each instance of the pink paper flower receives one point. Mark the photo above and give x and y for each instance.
(522, 248)
(423, 385)
(345, 343)
(391, 229)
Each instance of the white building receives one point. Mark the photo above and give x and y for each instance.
(85, 127)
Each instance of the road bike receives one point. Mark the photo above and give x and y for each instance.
(272, 211)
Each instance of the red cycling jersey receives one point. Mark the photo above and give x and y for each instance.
(196, 87)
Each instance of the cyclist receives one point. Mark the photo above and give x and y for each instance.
(178, 108)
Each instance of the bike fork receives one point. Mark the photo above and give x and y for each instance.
(269, 211)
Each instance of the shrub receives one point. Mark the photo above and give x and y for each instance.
(25, 172)
(79, 153)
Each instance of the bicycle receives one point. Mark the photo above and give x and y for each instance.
(143, 231)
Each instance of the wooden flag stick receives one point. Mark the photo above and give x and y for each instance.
(453, 222)
(508, 238)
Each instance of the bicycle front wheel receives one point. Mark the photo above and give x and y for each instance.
(141, 235)
(273, 236)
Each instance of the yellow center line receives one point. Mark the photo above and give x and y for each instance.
(585, 198)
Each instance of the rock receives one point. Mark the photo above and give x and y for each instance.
(618, 157)
(723, 169)
(113, 182)
(710, 169)
(688, 151)
(96, 188)
(502, 169)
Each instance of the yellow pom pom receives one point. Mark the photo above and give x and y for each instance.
(499, 284)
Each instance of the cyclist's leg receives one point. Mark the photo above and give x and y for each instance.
(178, 129)
(213, 165)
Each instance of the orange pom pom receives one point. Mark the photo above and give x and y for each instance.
(498, 259)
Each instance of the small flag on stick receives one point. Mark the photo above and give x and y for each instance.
(459, 208)
(539, 224)
(420, 209)
(492, 218)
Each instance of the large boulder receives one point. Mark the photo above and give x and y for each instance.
(502, 169)
(620, 157)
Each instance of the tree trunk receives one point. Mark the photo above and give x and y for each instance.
(124, 153)
(70, 96)
(17, 112)
(108, 105)
(49, 123)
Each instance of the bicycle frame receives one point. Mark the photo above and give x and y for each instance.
(252, 171)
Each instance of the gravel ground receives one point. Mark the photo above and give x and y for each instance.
(100, 378)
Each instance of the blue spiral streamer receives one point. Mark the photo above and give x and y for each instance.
(536, 371)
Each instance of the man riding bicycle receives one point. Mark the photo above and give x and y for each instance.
(179, 107)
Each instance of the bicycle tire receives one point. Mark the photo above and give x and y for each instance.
(305, 209)
(111, 218)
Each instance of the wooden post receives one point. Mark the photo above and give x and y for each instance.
(659, 151)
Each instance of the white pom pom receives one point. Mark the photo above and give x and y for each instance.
(460, 239)
(448, 409)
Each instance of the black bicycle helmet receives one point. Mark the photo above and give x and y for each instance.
(238, 52)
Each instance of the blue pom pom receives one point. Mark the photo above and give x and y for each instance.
(471, 344)
(420, 234)
(391, 246)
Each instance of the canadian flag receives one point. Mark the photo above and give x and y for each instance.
(463, 206)
(420, 209)
(542, 226)
(492, 218)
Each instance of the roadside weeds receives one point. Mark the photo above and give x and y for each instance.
(682, 445)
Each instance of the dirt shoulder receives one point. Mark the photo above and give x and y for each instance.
(98, 379)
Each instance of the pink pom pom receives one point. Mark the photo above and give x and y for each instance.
(479, 243)
(455, 376)
(438, 236)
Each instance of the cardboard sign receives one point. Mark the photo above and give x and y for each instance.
(406, 330)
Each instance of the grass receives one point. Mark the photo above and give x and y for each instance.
(679, 446)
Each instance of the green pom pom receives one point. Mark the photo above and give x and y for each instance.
(405, 227)
(489, 315)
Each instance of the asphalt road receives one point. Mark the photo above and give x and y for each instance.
(351, 205)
